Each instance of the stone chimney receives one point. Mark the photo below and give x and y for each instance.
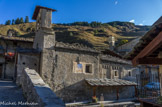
(111, 41)
(45, 36)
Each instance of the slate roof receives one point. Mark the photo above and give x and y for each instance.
(115, 59)
(109, 82)
(111, 52)
(2, 37)
(37, 11)
(75, 46)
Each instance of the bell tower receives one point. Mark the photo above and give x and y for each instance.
(45, 36)
(111, 41)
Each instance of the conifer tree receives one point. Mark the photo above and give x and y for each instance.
(8, 22)
(21, 20)
(13, 21)
(17, 21)
(26, 19)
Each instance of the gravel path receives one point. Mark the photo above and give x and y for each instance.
(10, 95)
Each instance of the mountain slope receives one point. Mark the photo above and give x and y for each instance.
(96, 37)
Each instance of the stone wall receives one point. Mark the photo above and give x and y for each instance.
(110, 93)
(124, 71)
(44, 38)
(129, 73)
(30, 61)
(36, 91)
(57, 71)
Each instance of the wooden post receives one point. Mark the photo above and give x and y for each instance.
(117, 93)
(146, 70)
(160, 73)
(94, 91)
(141, 104)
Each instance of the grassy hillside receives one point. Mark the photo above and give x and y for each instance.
(92, 36)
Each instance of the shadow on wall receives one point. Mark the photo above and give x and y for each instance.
(47, 96)
(110, 93)
(79, 91)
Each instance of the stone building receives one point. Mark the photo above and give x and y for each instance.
(126, 48)
(9, 46)
(68, 68)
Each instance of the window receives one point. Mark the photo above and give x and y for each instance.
(129, 73)
(116, 73)
(82, 67)
(23, 63)
(35, 64)
(88, 68)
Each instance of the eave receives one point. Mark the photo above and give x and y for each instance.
(143, 56)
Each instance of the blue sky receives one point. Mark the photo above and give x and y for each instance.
(144, 12)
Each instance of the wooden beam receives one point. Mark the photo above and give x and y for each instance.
(136, 92)
(151, 47)
(153, 56)
(94, 91)
(150, 61)
(154, 53)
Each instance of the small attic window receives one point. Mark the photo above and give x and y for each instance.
(115, 73)
(129, 74)
(23, 63)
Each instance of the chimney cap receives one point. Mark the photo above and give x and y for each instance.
(37, 11)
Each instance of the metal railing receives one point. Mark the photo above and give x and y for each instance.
(148, 87)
